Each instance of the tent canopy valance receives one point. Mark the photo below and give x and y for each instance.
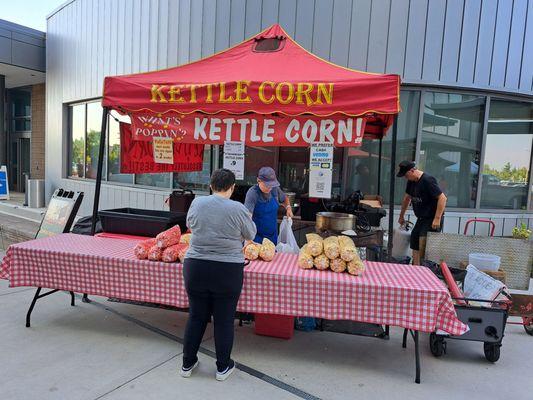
(267, 75)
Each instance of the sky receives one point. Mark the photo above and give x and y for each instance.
(30, 13)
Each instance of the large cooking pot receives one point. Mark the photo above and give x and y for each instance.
(332, 221)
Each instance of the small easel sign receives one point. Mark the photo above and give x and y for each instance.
(4, 186)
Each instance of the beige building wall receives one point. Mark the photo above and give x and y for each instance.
(37, 131)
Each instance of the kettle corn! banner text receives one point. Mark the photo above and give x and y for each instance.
(254, 130)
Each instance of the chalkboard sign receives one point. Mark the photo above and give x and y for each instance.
(4, 187)
(60, 213)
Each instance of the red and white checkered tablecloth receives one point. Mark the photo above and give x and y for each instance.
(389, 294)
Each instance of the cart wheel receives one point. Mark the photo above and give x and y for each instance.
(529, 329)
(492, 351)
(436, 344)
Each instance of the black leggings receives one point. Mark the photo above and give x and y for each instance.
(213, 289)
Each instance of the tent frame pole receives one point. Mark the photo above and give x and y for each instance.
(379, 164)
(392, 187)
(99, 172)
(96, 201)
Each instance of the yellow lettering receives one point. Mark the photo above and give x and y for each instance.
(222, 95)
(193, 93)
(175, 94)
(279, 92)
(301, 92)
(157, 91)
(262, 92)
(242, 90)
(327, 92)
(209, 98)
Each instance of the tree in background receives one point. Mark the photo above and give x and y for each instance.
(508, 173)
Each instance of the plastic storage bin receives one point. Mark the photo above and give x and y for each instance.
(484, 261)
(280, 326)
(134, 221)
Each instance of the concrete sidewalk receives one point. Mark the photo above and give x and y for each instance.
(114, 351)
(17, 223)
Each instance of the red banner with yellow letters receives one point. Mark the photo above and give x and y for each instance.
(270, 75)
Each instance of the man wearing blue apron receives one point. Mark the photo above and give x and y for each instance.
(263, 200)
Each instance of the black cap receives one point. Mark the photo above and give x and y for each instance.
(405, 166)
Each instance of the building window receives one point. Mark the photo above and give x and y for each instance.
(77, 141)
(84, 146)
(21, 110)
(362, 162)
(113, 157)
(507, 155)
(94, 123)
(196, 181)
(451, 144)
(158, 180)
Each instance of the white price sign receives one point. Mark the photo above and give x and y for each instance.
(321, 170)
(234, 158)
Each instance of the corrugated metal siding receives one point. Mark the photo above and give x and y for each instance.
(484, 44)
(466, 43)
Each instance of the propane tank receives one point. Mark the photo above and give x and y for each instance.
(400, 240)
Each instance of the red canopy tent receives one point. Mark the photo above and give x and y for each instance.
(269, 77)
(267, 74)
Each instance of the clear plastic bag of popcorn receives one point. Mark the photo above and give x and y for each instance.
(251, 251)
(331, 247)
(356, 267)
(305, 259)
(337, 265)
(321, 262)
(314, 244)
(313, 236)
(267, 250)
(348, 251)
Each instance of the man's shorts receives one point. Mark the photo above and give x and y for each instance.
(421, 229)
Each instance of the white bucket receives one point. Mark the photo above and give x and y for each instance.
(484, 261)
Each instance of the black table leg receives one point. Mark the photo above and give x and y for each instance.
(414, 334)
(85, 298)
(387, 332)
(28, 315)
(417, 355)
(38, 296)
(404, 342)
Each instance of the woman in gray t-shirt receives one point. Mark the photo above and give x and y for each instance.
(213, 270)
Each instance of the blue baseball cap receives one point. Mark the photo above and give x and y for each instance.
(267, 175)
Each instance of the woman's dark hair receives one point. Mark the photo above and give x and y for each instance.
(222, 179)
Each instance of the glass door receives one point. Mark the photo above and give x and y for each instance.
(19, 165)
(19, 133)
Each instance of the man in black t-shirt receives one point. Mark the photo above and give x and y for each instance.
(428, 202)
